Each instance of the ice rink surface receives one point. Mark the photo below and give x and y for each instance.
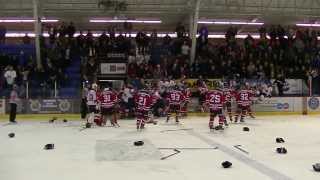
(108, 153)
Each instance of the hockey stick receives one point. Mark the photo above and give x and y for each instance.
(187, 129)
(83, 128)
(242, 150)
(140, 124)
(176, 152)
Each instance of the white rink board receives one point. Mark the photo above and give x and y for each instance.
(279, 104)
(273, 104)
(2, 106)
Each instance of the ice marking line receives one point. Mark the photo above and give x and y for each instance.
(242, 150)
(176, 152)
(273, 174)
(212, 148)
(186, 129)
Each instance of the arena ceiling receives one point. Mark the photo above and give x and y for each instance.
(170, 12)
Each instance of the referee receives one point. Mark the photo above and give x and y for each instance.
(13, 101)
(84, 108)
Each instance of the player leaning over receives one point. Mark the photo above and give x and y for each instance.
(243, 99)
(175, 99)
(107, 101)
(215, 100)
(143, 101)
(91, 103)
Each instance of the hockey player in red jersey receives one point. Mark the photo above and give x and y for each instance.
(243, 98)
(202, 87)
(155, 96)
(229, 94)
(143, 101)
(215, 100)
(108, 100)
(175, 99)
(187, 94)
(252, 94)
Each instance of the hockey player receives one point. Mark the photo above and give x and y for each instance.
(187, 94)
(154, 110)
(143, 101)
(252, 93)
(91, 103)
(202, 87)
(215, 100)
(175, 99)
(243, 98)
(229, 94)
(107, 101)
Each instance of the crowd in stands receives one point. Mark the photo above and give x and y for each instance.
(279, 53)
(57, 52)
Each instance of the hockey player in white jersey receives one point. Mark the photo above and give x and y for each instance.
(91, 103)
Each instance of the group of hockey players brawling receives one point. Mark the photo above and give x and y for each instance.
(175, 99)
(220, 99)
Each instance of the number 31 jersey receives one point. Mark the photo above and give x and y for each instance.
(215, 99)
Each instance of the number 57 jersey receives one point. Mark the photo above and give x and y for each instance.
(215, 99)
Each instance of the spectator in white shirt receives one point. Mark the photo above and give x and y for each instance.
(10, 76)
(185, 49)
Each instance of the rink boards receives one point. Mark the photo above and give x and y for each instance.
(265, 106)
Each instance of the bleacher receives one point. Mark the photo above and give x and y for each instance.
(68, 89)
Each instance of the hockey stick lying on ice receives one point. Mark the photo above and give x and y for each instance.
(242, 150)
(176, 152)
(187, 129)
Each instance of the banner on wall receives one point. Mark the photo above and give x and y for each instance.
(2, 106)
(282, 104)
(113, 68)
(192, 84)
(293, 86)
(313, 104)
(44, 106)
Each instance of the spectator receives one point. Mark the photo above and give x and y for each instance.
(26, 39)
(185, 49)
(91, 70)
(71, 30)
(81, 40)
(139, 39)
(3, 32)
(180, 30)
(280, 83)
(10, 76)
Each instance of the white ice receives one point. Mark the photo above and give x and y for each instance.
(74, 156)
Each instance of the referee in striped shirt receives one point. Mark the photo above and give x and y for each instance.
(13, 101)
